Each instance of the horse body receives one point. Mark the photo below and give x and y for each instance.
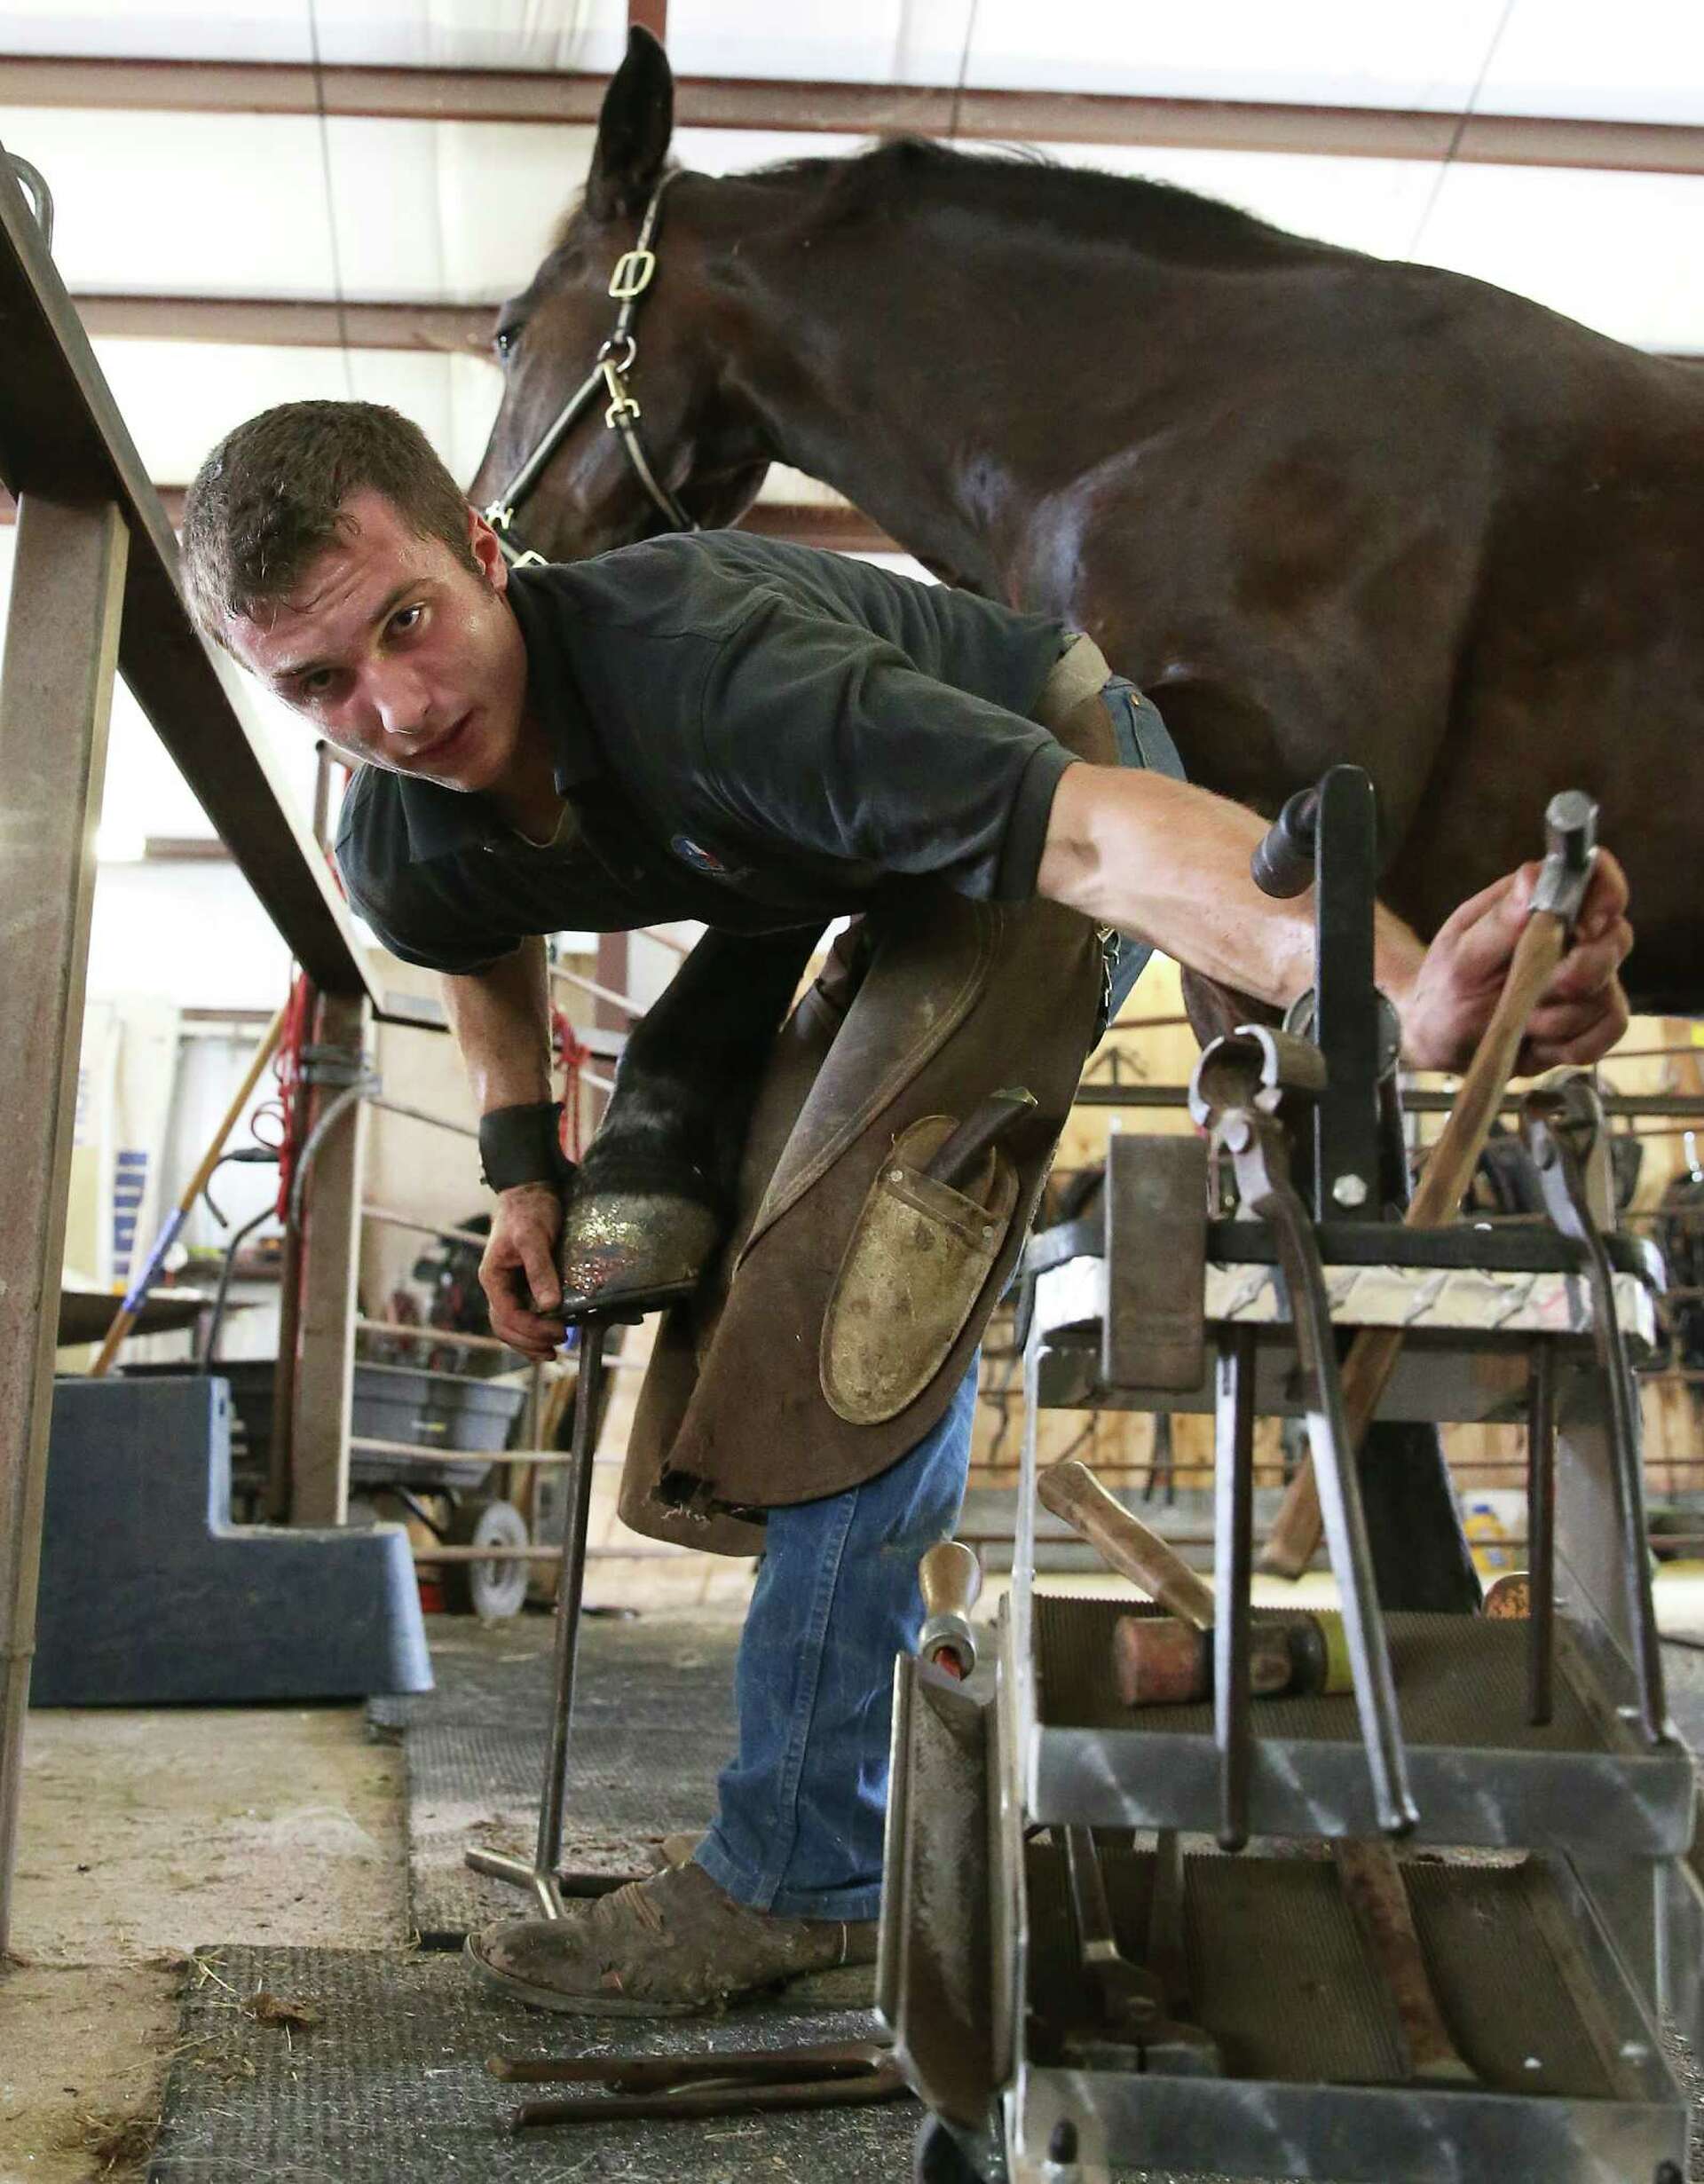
(1322, 506)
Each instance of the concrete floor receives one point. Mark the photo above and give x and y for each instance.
(145, 1834)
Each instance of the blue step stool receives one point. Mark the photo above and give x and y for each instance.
(150, 1596)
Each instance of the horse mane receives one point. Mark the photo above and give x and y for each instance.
(1028, 188)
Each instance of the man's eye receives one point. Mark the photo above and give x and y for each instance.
(404, 619)
(316, 684)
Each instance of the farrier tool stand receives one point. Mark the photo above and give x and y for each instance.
(1067, 1871)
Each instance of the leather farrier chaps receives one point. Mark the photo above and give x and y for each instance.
(840, 1316)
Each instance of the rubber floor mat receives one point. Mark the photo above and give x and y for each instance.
(319, 2066)
(653, 1726)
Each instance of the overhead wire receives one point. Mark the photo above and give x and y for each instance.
(964, 68)
(1460, 130)
(323, 119)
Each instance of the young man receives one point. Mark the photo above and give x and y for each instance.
(763, 738)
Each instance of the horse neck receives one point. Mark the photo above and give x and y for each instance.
(861, 395)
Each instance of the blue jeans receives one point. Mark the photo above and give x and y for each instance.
(800, 1805)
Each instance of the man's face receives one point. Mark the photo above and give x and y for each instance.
(399, 654)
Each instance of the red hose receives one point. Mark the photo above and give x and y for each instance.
(571, 1057)
(280, 1113)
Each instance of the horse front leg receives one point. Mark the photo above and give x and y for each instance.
(654, 1194)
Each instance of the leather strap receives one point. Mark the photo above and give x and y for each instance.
(524, 1145)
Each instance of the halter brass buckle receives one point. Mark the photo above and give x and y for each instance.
(632, 274)
(623, 408)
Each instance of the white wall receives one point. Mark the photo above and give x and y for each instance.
(190, 934)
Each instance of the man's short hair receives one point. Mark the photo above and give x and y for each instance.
(269, 500)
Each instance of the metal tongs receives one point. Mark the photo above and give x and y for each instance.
(739, 2082)
(1562, 1122)
(1234, 1095)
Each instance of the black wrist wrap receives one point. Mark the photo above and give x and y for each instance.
(524, 1145)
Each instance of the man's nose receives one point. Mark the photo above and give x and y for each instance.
(399, 698)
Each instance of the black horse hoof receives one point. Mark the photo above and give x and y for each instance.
(633, 1250)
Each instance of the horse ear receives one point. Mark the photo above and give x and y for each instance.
(633, 131)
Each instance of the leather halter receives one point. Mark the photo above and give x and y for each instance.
(633, 273)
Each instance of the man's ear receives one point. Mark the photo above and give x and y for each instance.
(633, 131)
(483, 544)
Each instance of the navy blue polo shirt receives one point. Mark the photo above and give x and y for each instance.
(747, 733)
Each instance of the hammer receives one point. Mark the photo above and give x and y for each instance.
(1571, 849)
(1167, 1660)
(1371, 1879)
(957, 1159)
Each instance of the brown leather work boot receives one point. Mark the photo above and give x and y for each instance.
(674, 1945)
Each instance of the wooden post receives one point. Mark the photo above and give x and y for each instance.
(614, 962)
(280, 1468)
(331, 1247)
(56, 691)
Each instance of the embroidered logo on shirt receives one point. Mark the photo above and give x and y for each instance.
(703, 860)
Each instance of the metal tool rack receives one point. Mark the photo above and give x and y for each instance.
(1566, 1922)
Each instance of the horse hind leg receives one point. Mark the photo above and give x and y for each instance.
(1421, 1559)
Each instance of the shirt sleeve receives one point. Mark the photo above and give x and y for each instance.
(417, 920)
(414, 908)
(823, 737)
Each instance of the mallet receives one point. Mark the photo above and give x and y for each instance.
(1157, 1661)
(1571, 831)
(1168, 1660)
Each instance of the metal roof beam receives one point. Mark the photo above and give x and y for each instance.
(61, 436)
(865, 109)
(284, 322)
(835, 524)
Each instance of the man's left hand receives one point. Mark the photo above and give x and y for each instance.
(1581, 1013)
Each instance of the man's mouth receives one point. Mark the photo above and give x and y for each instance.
(449, 745)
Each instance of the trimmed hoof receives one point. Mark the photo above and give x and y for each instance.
(633, 1250)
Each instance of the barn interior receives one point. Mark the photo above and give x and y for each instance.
(285, 1602)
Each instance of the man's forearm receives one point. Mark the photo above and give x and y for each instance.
(1168, 863)
(501, 1021)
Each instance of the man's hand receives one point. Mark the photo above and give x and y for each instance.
(518, 1271)
(1581, 1013)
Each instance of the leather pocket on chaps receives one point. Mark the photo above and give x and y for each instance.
(917, 1261)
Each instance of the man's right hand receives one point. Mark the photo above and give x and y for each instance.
(518, 1271)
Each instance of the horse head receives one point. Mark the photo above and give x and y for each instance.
(611, 356)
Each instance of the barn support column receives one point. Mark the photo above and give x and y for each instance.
(56, 692)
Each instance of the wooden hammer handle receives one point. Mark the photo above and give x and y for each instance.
(1378, 1895)
(1074, 1495)
(1372, 1356)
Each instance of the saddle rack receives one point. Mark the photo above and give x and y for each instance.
(1422, 1919)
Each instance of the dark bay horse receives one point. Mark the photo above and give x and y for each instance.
(1323, 506)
